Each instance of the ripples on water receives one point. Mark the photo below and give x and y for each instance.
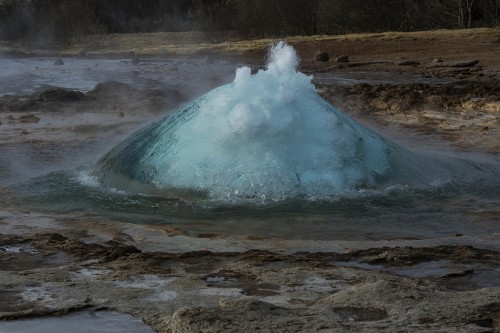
(461, 205)
(443, 209)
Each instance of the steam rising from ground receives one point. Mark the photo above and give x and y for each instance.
(267, 136)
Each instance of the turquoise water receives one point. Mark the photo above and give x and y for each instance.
(319, 176)
(266, 137)
(439, 210)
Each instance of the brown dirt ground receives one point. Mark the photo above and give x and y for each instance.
(458, 104)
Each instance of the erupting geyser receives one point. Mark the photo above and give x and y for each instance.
(267, 136)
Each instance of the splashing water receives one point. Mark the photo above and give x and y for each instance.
(267, 136)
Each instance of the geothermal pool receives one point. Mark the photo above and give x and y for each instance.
(262, 156)
(20, 76)
(79, 322)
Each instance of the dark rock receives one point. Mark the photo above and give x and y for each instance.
(483, 322)
(135, 59)
(113, 88)
(321, 56)
(468, 63)
(464, 63)
(28, 119)
(14, 104)
(59, 62)
(458, 273)
(406, 62)
(122, 238)
(60, 95)
(43, 98)
(342, 58)
(437, 60)
(366, 63)
(53, 237)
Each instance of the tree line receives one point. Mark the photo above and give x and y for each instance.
(224, 19)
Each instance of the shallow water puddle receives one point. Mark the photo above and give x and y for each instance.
(58, 258)
(86, 273)
(480, 275)
(487, 278)
(26, 75)
(221, 281)
(163, 296)
(80, 322)
(30, 257)
(44, 293)
(357, 264)
(235, 285)
(146, 281)
(18, 249)
(226, 292)
(153, 283)
(426, 269)
(317, 285)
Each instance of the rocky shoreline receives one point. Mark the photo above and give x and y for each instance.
(379, 289)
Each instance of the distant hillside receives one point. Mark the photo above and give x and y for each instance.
(61, 20)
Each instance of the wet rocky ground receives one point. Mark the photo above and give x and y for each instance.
(381, 289)
(54, 264)
(462, 110)
(209, 283)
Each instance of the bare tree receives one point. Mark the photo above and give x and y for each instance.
(215, 18)
(223, 19)
(464, 8)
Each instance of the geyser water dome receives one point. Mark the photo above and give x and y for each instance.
(267, 136)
